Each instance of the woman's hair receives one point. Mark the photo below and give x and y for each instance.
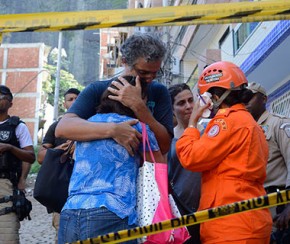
(143, 45)
(174, 90)
(235, 96)
(108, 105)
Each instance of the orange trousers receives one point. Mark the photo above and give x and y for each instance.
(249, 241)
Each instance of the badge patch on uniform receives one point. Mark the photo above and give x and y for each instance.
(265, 128)
(286, 128)
(222, 122)
(4, 135)
(213, 131)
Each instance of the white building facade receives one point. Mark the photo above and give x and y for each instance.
(261, 49)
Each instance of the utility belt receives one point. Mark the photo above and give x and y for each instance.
(271, 189)
(7, 175)
(20, 205)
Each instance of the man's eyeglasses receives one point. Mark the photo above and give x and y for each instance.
(143, 73)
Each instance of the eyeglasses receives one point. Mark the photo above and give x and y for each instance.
(143, 73)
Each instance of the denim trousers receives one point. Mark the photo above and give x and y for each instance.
(81, 224)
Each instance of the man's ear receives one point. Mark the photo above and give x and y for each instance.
(215, 97)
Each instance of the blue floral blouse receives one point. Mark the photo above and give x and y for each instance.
(104, 173)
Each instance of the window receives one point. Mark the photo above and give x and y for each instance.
(242, 33)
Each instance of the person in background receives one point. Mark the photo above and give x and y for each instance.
(231, 154)
(51, 141)
(16, 150)
(142, 55)
(102, 191)
(185, 184)
(277, 132)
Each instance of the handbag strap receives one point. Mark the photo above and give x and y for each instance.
(66, 154)
(161, 170)
(70, 146)
(145, 141)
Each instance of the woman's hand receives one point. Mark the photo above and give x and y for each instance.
(196, 113)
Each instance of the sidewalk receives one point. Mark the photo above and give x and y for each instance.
(39, 229)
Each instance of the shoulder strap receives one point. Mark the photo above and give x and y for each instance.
(15, 120)
(145, 141)
(66, 154)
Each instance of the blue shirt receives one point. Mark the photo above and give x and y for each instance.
(105, 174)
(158, 101)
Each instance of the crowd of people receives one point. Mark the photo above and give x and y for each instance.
(242, 153)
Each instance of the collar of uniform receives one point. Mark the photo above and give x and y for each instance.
(263, 117)
(226, 111)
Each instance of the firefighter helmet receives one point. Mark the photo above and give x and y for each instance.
(221, 74)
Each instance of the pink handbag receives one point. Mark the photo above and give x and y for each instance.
(153, 179)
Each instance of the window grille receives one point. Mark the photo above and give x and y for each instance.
(281, 105)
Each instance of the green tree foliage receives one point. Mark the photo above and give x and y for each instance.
(66, 81)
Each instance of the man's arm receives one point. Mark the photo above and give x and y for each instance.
(24, 173)
(162, 135)
(74, 124)
(24, 154)
(42, 151)
(75, 128)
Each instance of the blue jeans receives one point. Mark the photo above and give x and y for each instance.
(81, 224)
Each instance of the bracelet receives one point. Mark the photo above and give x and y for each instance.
(191, 126)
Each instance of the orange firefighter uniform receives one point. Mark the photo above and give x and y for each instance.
(232, 156)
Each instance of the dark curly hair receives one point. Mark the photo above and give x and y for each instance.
(143, 45)
(108, 105)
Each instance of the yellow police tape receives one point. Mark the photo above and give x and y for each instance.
(270, 200)
(219, 13)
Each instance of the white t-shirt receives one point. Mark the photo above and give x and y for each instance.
(22, 134)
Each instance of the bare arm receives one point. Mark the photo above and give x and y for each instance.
(163, 137)
(24, 173)
(196, 114)
(75, 128)
(42, 151)
(24, 154)
(159, 158)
